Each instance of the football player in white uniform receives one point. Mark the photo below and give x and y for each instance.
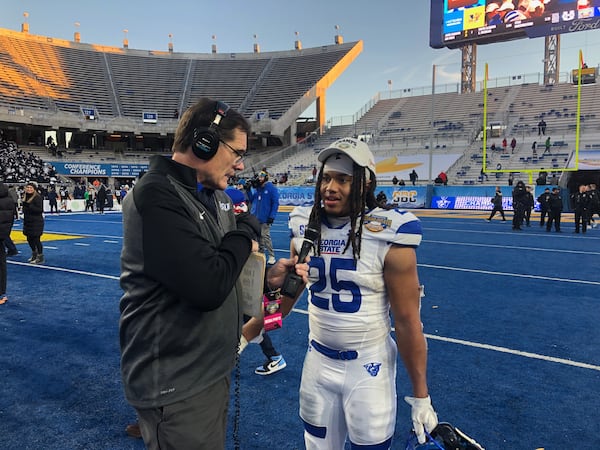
(362, 267)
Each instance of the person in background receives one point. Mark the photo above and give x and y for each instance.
(541, 127)
(555, 207)
(101, 197)
(497, 202)
(381, 198)
(53, 199)
(413, 176)
(544, 201)
(11, 248)
(7, 216)
(547, 146)
(483, 174)
(348, 386)
(513, 144)
(529, 204)
(275, 361)
(519, 196)
(124, 191)
(89, 197)
(63, 194)
(181, 313)
(581, 205)
(594, 205)
(33, 222)
(443, 178)
(264, 198)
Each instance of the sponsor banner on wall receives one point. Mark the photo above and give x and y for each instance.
(296, 195)
(399, 196)
(404, 196)
(468, 202)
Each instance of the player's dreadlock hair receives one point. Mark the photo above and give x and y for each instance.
(362, 198)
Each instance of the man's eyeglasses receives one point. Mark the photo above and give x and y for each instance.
(241, 154)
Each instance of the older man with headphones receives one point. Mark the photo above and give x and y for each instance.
(183, 251)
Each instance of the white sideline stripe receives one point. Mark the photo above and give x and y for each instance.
(62, 269)
(111, 242)
(495, 348)
(515, 247)
(516, 275)
(82, 244)
(429, 336)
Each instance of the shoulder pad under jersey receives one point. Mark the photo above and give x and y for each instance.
(395, 226)
(298, 220)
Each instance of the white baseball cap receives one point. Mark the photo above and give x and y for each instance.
(355, 149)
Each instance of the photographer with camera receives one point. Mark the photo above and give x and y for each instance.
(264, 197)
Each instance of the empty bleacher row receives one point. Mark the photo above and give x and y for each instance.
(57, 75)
(402, 126)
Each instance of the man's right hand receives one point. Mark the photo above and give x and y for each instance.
(250, 224)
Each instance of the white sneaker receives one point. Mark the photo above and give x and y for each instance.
(272, 365)
(271, 260)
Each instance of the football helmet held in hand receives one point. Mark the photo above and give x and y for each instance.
(443, 437)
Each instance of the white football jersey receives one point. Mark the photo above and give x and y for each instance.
(348, 305)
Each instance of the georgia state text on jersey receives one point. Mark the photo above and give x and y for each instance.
(349, 307)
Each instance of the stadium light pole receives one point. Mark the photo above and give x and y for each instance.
(77, 35)
(25, 24)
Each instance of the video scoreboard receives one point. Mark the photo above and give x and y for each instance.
(455, 23)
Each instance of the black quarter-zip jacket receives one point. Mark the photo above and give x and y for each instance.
(180, 314)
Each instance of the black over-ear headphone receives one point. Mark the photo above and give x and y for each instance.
(206, 139)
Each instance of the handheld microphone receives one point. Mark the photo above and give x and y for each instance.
(293, 282)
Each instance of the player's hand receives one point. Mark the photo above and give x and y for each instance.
(423, 416)
(270, 221)
(277, 273)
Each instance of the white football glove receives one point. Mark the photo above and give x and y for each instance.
(423, 416)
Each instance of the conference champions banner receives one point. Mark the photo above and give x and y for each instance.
(101, 170)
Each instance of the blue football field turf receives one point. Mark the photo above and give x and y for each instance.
(511, 320)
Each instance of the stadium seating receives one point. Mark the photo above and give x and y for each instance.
(62, 77)
(47, 74)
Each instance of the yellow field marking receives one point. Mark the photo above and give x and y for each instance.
(19, 238)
